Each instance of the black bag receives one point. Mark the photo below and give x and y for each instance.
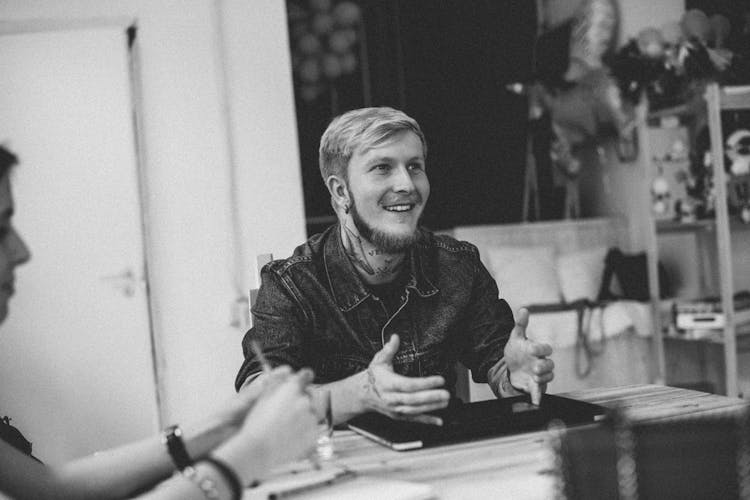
(631, 272)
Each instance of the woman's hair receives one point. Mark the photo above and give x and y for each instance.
(358, 131)
(7, 161)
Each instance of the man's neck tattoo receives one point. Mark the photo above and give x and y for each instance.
(356, 251)
(373, 262)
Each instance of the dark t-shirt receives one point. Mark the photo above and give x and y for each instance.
(391, 295)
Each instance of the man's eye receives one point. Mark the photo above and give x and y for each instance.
(383, 167)
(416, 166)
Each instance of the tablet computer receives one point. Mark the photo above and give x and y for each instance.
(477, 420)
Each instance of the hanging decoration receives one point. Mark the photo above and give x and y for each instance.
(672, 63)
(592, 35)
(324, 37)
(574, 84)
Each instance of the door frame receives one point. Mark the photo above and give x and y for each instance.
(130, 26)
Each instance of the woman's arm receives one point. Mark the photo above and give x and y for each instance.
(122, 472)
(281, 427)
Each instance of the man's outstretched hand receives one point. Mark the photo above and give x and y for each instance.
(527, 362)
(400, 397)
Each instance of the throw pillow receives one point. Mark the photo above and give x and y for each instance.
(525, 275)
(580, 273)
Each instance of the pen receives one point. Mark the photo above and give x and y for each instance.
(313, 484)
(261, 357)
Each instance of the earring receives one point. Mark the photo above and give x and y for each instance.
(346, 208)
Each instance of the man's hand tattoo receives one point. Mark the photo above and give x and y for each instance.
(371, 383)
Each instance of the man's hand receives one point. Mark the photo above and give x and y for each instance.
(527, 362)
(399, 397)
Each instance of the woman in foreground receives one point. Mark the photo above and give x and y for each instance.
(215, 458)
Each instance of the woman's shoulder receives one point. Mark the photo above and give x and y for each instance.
(11, 435)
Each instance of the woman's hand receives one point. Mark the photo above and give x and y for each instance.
(203, 436)
(279, 428)
(234, 412)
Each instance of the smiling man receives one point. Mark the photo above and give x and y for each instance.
(378, 306)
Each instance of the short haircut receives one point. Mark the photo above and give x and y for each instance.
(359, 130)
(7, 161)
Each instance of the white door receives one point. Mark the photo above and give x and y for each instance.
(76, 369)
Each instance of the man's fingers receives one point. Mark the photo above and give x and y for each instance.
(522, 321)
(389, 350)
(538, 349)
(431, 397)
(400, 383)
(419, 409)
(422, 419)
(544, 378)
(535, 391)
(544, 365)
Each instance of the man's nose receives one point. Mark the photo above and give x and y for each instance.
(402, 180)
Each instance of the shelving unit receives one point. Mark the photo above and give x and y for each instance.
(718, 100)
(718, 229)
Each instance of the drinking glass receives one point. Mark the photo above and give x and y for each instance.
(321, 403)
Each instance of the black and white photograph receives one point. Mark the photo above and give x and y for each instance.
(375, 249)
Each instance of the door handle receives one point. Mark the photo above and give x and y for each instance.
(126, 282)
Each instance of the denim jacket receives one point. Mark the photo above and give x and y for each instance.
(314, 310)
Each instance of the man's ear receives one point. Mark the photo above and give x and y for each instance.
(339, 192)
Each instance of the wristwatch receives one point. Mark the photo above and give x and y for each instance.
(172, 438)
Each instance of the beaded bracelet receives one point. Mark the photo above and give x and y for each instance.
(206, 484)
(231, 477)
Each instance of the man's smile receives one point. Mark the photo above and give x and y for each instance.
(405, 207)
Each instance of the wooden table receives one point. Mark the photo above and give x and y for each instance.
(516, 467)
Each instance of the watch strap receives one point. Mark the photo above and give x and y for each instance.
(172, 439)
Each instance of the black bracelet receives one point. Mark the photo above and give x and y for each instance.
(172, 438)
(231, 477)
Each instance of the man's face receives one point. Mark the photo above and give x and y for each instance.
(13, 250)
(388, 187)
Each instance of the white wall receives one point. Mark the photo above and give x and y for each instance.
(190, 146)
(638, 14)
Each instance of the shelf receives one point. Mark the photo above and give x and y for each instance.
(737, 97)
(721, 227)
(714, 336)
(673, 226)
(679, 111)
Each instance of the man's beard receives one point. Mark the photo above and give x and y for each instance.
(387, 243)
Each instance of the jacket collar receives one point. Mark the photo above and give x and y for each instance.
(348, 288)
